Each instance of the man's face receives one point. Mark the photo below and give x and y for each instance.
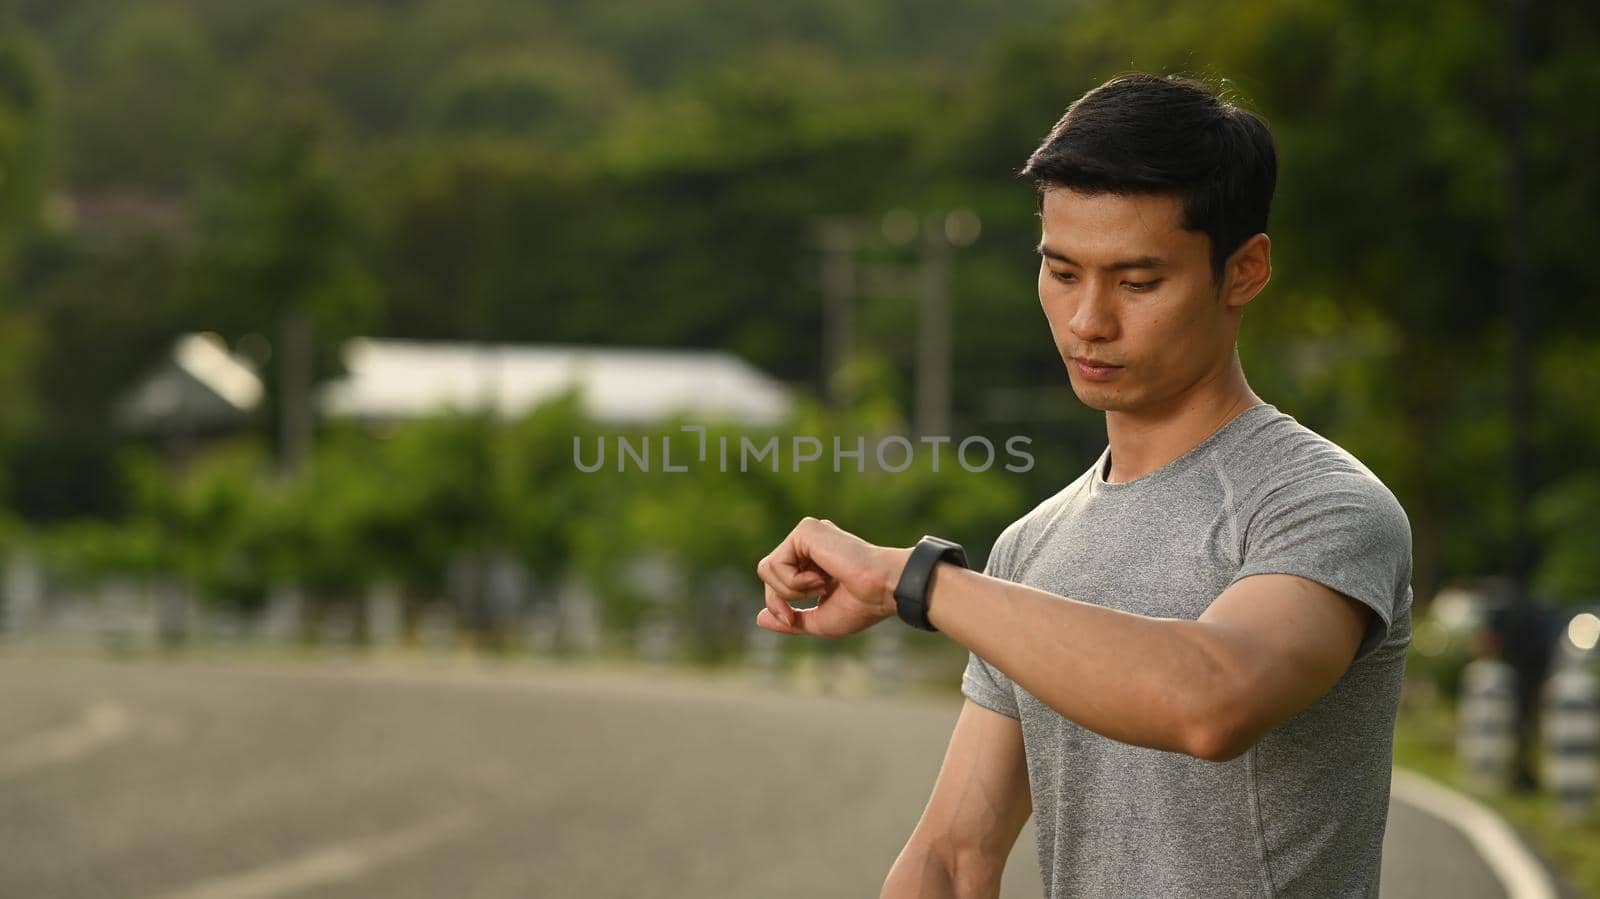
(1133, 307)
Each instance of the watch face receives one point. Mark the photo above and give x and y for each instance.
(953, 551)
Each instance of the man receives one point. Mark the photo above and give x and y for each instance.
(1186, 664)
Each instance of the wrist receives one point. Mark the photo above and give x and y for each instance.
(893, 564)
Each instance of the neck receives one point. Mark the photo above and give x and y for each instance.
(1143, 440)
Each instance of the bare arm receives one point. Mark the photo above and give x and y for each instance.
(979, 804)
(1265, 649)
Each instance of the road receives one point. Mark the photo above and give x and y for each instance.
(329, 780)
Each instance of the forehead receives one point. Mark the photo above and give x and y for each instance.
(1098, 229)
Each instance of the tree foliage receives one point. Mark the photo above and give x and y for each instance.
(653, 173)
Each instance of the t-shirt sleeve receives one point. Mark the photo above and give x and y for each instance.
(1344, 530)
(982, 682)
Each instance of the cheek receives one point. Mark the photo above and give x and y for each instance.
(1191, 333)
(1058, 313)
(1054, 309)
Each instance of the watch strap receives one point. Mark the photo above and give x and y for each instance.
(911, 593)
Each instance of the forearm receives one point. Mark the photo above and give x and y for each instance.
(923, 873)
(1156, 682)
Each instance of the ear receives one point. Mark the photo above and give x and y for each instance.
(1248, 270)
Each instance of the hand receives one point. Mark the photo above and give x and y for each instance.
(852, 580)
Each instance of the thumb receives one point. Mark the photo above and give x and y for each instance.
(768, 621)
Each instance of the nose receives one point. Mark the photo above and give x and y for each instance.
(1093, 318)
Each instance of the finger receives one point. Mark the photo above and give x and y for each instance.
(768, 621)
(779, 608)
(792, 593)
(791, 584)
(806, 623)
(822, 546)
(810, 583)
(790, 567)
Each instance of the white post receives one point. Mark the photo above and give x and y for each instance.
(119, 600)
(657, 642)
(383, 613)
(578, 626)
(764, 652)
(541, 626)
(661, 583)
(505, 591)
(1486, 731)
(21, 593)
(885, 649)
(1572, 739)
(438, 626)
(338, 629)
(285, 610)
(175, 613)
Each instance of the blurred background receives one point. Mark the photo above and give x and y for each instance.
(309, 312)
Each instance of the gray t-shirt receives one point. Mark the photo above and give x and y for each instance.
(1302, 813)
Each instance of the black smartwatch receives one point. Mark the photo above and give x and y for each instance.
(911, 594)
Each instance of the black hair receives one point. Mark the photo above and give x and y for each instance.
(1148, 134)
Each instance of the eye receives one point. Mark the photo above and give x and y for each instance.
(1141, 286)
(1063, 277)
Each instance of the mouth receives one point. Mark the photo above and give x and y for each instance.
(1094, 369)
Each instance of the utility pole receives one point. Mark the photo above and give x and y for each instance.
(838, 237)
(296, 360)
(933, 335)
(1524, 645)
(1519, 302)
(940, 236)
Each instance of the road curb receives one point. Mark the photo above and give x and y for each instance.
(1518, 869)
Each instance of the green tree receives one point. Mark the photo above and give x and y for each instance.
(214, 524)
(280, 255)
(1385, 326)
(541, 495)
(24, 110)
(149, 122)
(425, 500)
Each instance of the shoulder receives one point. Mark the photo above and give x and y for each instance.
(1308, 508)
(1278, 456)
(1280, 468)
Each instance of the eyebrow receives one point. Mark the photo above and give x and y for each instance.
(1119, 265)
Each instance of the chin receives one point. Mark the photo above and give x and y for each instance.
(1099, 398)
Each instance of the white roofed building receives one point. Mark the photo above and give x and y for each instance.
(201, 386)
(391, 380)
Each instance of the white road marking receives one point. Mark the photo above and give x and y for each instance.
(1519, 871)
(102, 724)
(328, 864)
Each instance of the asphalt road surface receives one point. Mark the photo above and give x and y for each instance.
(213, 780)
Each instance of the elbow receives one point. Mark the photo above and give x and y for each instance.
(1214, 743)
(975, 873)
(1221, 729)
(1222, 715)
(941, 869)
